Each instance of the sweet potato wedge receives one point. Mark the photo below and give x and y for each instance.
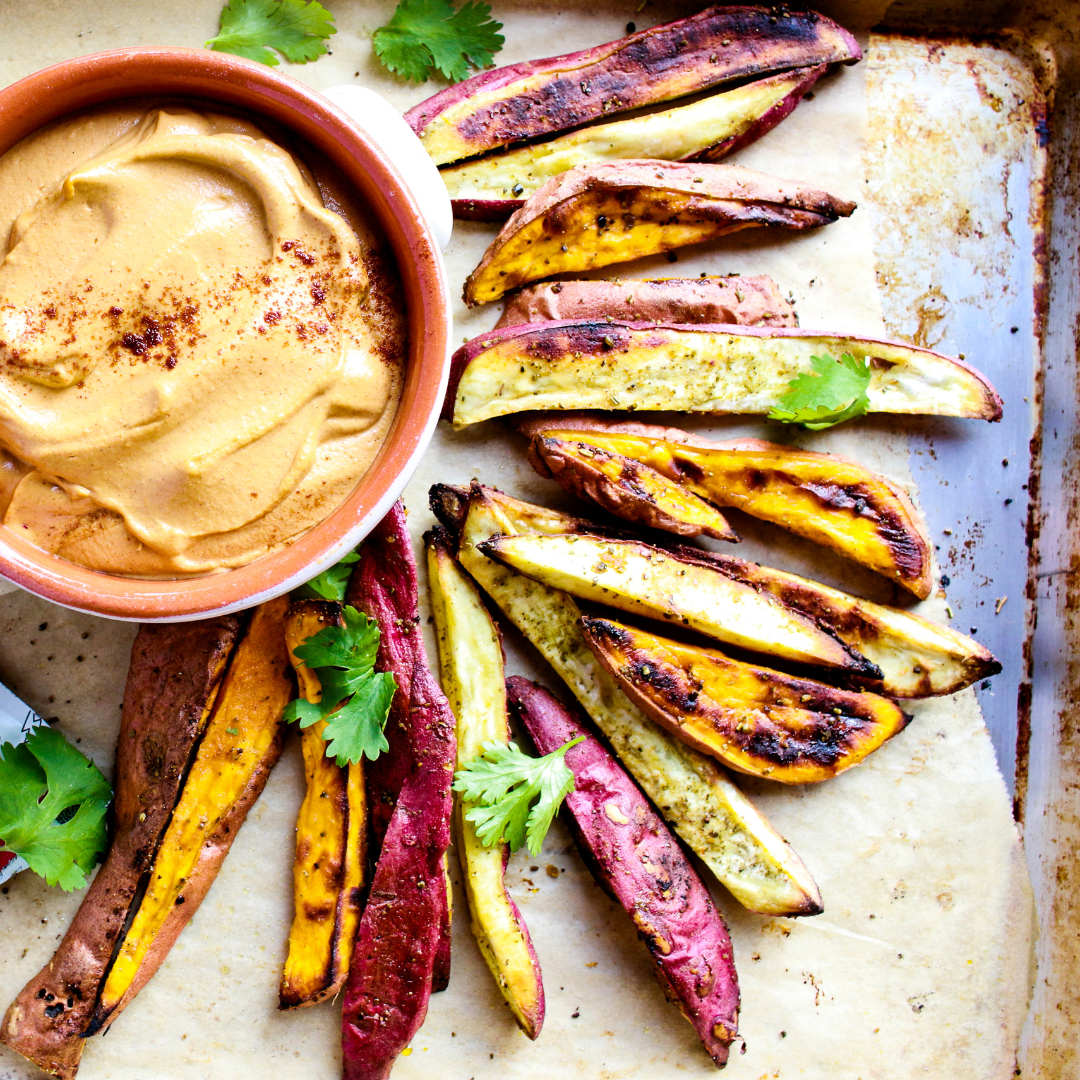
(646, 580)
(693, 793)
(239, 747)
(471, 662)
(733, 300)
(753, 719)
(612, 212)
(174, 677)
(492, 188)
(389, 985)
(331, 842)
(640, 864)
(539, 97)
(918, 658)
(384, 585)
(701, 369)
(825, 498)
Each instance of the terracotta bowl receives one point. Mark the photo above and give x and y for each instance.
(368, 170)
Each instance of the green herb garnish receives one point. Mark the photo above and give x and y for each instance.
(330, 584)
(39, 780)
(833, 392)
(297, 29)
(515, 796)
(426, 34)
(343, 658)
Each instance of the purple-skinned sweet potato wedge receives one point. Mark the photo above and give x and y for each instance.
(541, 97)
(389, 985)
(637, 860)
(734, 301)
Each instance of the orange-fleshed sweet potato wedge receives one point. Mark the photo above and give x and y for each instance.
(612, 212)
(734, 300)
(384, 586)
(389, 985)
(174, 677)
(539, 97)
(825, 498)
(753, 719)
(640, 864)
(696, 369)
(493, 187)
(918, 658)
(471, 662)
(331, 842)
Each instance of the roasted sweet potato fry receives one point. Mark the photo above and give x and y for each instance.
(492, 188)
(705, 808)
(173, 681)
(824, 497)
(384, 586)
(701, 369)
(753, 719)
(331, 842)
(640, 864)
(645, 580)
(390, 980)
(733, 300)
(471, 661)
(612, 212)
(539, 97)
(918, 658)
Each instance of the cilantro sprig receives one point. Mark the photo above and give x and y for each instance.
(514, 796)
(40, 779)
(834, 391)
(330, 584)
(427, 34)
(297, 29)
(343, 658)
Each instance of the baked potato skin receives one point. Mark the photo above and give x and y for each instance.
(599, 214)
(753, 719)
(585, 365)
(174, 676)
(736, 301)
(539, 97)
(640, 864)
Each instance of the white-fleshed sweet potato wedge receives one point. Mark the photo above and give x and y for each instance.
(540, 97)
(471, 664)
(696, 369)
(611, 212)
(715, 819)
(640, 864)
(825, 498)
(493, 187)
(645, 580)
(753, 719)
(733, 300)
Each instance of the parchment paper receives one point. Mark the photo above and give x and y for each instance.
(919, 965)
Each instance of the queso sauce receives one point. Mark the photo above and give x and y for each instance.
(198, 359)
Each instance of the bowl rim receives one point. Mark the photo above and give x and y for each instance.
(152, 71)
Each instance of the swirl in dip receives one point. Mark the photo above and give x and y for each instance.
(198, 359)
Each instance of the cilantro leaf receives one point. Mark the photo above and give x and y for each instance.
(833, 392)
(425, 34)
(297, 29)
(343, 658)
(515, 796)
(40, 779)
(330, 584)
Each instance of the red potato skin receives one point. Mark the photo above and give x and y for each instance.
(384, 586)
(639, 863)
(389, 985)
(718, 45)
(174, 670)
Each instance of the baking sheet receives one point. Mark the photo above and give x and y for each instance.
(920, 965)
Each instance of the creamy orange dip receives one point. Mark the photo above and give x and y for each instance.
(198, 360)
